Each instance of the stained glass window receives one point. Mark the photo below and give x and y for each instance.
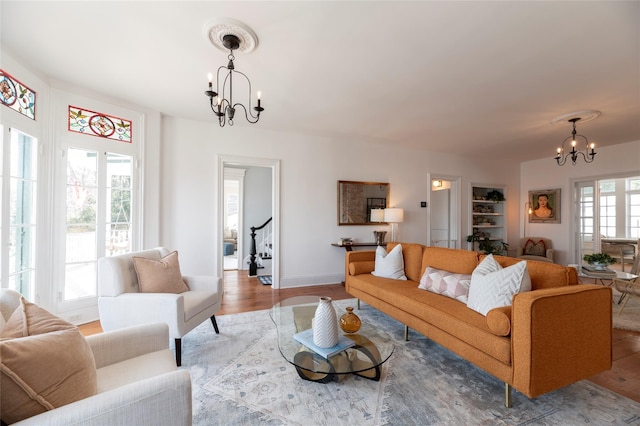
(99, 124)
(17, 96)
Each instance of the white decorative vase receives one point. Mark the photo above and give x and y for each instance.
(325, 324)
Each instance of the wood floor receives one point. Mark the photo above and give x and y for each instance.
(243, 294)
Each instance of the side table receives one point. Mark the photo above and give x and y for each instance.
(349, 247)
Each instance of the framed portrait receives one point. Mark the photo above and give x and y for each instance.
(545, 206)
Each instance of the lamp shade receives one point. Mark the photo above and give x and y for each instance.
(377, 215)
(394, 215)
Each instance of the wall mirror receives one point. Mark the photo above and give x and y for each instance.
(357, 199)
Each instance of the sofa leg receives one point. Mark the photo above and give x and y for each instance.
(507, 395)
(215, 324)
(178, 352)
(406, 333)
(358, 304)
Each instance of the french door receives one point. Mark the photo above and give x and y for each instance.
(588, 220)
(100, 202)
(19, 184)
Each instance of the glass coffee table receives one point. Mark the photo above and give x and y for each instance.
(372, 346)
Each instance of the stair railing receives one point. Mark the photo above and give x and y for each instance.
(266, 245)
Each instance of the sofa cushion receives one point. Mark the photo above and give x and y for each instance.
(160, 276)
(532, 248)
(49, 366)
(493, 286)
(499, 320)
(543, 274)
(389, 265)
(452, 260)
(455, 286)
(362, 267)
(412, 255)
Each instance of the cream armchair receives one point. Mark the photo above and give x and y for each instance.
(535, 248)
(138, 381)
(121, 304)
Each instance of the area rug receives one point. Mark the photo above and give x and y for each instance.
(240, 378)
(629, 319)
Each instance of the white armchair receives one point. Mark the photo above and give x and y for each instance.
(121, 304)
(138, 381)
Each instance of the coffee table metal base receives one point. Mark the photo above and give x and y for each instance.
(307, 363)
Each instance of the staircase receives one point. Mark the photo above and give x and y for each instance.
(261, 246)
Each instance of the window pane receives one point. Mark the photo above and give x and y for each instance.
(80, 280)
(22, 203)
(81, 168)
(81, 243)
(81, 205)
(119, 200)
(23, 156)
(81, 237)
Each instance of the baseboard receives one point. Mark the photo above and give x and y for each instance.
(309, 281)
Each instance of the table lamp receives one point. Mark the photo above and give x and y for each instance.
(394, 216)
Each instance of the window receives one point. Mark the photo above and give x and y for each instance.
(18, 224)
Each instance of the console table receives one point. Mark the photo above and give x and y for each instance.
(349, 247)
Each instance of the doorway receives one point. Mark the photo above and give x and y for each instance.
(444, 216)
(247, 207)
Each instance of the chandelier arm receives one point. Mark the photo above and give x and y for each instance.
(250, 92)
(248, 114)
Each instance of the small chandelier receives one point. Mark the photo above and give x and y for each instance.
(588, 154)
(222, 103)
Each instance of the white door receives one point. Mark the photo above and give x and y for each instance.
(18, 230)
(99, 207)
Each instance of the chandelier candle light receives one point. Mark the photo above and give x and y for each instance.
(232, 36)
(589, 150)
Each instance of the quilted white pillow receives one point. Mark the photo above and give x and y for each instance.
(455, 286)
(389, 265)
(493, 286)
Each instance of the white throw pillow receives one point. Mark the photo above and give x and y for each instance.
(389, 265)
(455, 286)
(493, 286)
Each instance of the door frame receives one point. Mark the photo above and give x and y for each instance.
(240, 161)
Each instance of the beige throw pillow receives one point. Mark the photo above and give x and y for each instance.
(160, 276)
(46, 363)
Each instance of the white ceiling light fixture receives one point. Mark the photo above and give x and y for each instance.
(232, 36)
(589, 152)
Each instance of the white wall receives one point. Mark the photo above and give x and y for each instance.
(310, 169)
(546, 174)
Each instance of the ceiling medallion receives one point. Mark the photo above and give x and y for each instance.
(216, 31)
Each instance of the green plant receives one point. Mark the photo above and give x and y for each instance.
(495, 195)
(598, 258)
(486, 245)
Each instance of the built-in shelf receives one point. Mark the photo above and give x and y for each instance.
(487, 216)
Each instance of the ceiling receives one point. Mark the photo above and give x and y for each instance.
(468, 78)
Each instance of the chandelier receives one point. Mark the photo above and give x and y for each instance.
(231, 36)
(588, 154)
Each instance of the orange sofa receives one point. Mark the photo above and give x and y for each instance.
(555, 335)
